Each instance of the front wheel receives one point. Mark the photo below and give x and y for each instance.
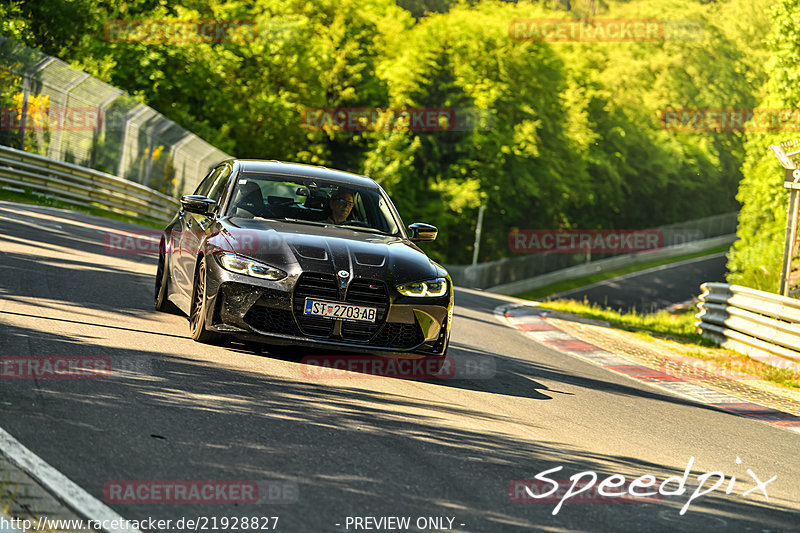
(199, 309)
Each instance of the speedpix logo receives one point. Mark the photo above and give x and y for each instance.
(544, 488)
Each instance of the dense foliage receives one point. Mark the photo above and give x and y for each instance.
(756, 258)
(569, 134)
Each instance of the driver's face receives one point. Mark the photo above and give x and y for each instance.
(341, 207)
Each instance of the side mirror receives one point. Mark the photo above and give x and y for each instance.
(423, 232)
(196, 203)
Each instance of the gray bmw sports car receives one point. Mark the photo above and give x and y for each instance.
(291, 254)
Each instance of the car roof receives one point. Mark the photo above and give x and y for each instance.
(302, 170)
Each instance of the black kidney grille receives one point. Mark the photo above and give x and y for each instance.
(320, 286)
(271, 320)
(359, 292)
(369, 293)
(365, 292)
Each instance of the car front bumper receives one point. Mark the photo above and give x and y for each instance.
(270, 312)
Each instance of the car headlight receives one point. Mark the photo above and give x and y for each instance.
(431, 287)
(248, 267)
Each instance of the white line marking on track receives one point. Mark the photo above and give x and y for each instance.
(66, 490)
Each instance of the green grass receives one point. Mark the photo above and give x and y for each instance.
(680, 328)
(32, 198)
(562, 286)
(675, 326)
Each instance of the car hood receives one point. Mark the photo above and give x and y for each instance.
(327, 249)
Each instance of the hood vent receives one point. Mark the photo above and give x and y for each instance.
(311, 252)
(373, 260)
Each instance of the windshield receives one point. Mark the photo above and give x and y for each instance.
(311, 201)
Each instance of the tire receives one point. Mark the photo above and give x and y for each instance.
(199, 308)
(162, 302)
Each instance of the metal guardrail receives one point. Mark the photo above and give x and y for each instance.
(526, 266)
(81, 186)
(759, 324)
(610, 264)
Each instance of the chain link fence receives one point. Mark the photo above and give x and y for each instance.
(51, 109)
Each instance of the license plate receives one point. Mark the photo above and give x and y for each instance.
(339, 310)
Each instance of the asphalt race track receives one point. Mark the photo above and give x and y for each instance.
(352, 445)
(654, 288)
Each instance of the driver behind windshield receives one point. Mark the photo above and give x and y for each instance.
(341, 203)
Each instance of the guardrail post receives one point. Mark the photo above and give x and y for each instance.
(791, 181)
(477, 246)
(788, 246)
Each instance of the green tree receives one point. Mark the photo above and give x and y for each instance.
(755, 260)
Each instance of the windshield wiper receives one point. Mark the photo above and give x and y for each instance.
(321, 223)
(361, 228)
(313, 223)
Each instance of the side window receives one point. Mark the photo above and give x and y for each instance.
(207, 182)
(387, 217)
(218, 188)
(359, 210)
